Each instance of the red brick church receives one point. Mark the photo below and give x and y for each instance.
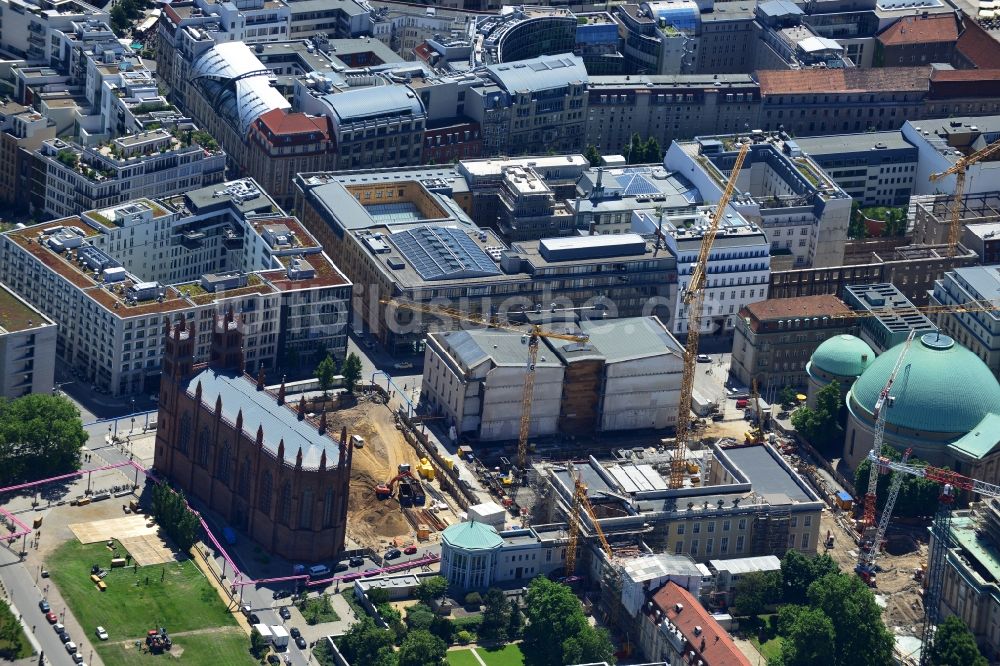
(263, 465)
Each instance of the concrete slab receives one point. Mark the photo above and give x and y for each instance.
(112, 528)
(148, 549)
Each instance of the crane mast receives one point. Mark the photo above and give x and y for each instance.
(881, 407)
(866, 558)
(958, 169)
(694, 300)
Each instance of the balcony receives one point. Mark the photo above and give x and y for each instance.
(192, 239)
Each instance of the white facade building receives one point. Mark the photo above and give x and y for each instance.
(110, 278)
(978, 331)
(739, 265)
(29, 26)
(27, 347)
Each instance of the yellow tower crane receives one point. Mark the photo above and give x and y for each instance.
(535, 333)
(958, 169)
(694, 299)
(581, 504)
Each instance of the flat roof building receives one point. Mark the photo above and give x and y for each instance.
(886, 329)
(979, 331)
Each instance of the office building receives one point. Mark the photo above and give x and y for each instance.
(27, 347)
(886, 329)
(775, 338)
(916, 40)
(22, 130)
(110, 277)
(983, 239)
(979, 331)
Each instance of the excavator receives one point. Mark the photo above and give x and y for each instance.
(415, 496)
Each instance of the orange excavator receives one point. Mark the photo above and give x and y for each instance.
(384, 490)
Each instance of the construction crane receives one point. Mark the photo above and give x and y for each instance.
(694, 299)
(957, 308)
(867, 555)
(755, 435)
(941, 529)
(881, 407)
(534, 334)
(958, 169)
(580, 505)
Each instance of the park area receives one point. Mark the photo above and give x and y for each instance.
(508, 655)
(175, 596)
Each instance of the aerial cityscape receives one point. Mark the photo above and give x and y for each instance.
(458, 333)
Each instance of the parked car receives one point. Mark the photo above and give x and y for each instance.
(281, 594)
(402, 365)
(58, 627)
(71, 647)
(340, 566)
(300, 643)
(245, 609)
(742, 403)
(356, 561)
(254, 619)
(294, 632)
(51, 617)
(43, 605)
(392, 553)
(410, 550)
(101, 633)
(704, 358)
(64, 637)
(77, 658)
(285, 613)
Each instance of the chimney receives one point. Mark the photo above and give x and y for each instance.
(281, 391)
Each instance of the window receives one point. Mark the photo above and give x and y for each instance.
(204, 447)
(694, 547)
(725, 525)
(680, 529)
(711, 527)
(245, 478)
(266, 484)
(222, 469)
(739, 544)
(724, 546)
(795, 521)
(679, 547)
(708, 546)
(696, 528)
(328, 508)
(742, 524)
(808, 521)
(805, 540)
(184, 435)
(285, 502)
(305, 509)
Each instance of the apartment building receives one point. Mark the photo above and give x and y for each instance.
(151, 164)
(738, 265)
(22, 130)
(110, 278)
(29, 26)
(802, 211)
(27, 347)
(978, 331)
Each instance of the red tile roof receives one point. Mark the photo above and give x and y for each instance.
(800, 306)
(952, 83)
(712, 644)
(281, 122)
(880, 80)
(978, 46)
(917, 30)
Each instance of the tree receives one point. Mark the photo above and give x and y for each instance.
(652, 151)
(172, 513)
(954, 645)
(419, 616)
(798, 572)
(787, 396)
(810, 638)
(325, 371)
(589, 646)
(861, 636)
(431, 588)
(351, 371)
(515, 622)
(821, 425)
(474, 600)
(758, 590)
(593, 156)
(40, 435)
(496, 616)
(422, 648)
(258, 644)
(857, 229)
(918, 497)
(365, 643)
(556, 624)
(635, 150)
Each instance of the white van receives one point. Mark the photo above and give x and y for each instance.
(319, 570)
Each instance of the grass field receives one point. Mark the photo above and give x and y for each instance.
(509, 655)
(225, 647)
(175, 596)
(770, 649)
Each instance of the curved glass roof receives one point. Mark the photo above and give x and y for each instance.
(228, 60)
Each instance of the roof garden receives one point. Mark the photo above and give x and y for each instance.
(17, 315)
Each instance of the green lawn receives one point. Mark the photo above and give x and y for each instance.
(317, 610)
(225, 647)
(509, 655)
(461, 658)
(175, 596)
(771, 649)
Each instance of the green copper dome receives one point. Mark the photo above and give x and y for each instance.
(843, 355)
(942, 387)
(472, 536)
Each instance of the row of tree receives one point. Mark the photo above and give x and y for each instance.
(40, 436)
(327, 370)
(173, 515)
(636, 151)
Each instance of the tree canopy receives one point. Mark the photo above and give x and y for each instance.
(954, 645)
(758, 590)
(431, 588)
(809, 637)
(638, 151)
(917, 496)
(593, 156)
(861, 636)
(799, 571)
(40, 435)
(422, 648)
(496, 616)
(820, 425)
(174, 516)
(557, 631)
(351, 371)
(325, 371)
(365, 643)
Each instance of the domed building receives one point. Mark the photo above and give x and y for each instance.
(842, 358)
(468, 554)
(944, 406)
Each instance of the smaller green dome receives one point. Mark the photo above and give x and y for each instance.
(843, 355)
(472, 536)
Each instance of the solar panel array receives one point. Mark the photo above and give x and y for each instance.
(443, 253)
